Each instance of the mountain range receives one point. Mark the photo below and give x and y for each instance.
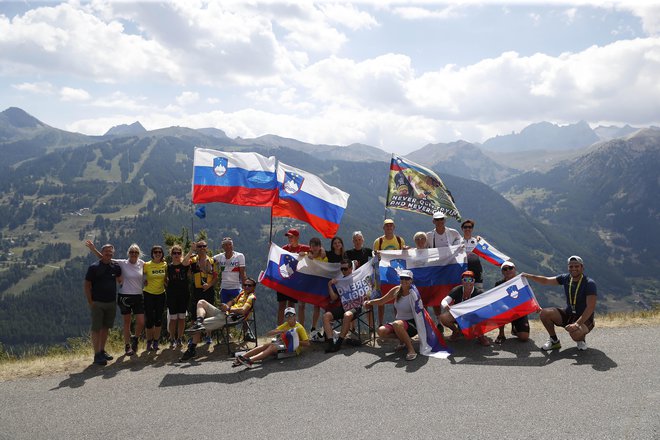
(133, 185)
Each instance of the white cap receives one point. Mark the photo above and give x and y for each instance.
(438, 215)
(406, 273)
(574, 258)
(289, 311)
(507, 263)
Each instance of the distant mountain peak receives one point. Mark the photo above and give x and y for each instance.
(19, 118)
(545, 136)
(126, 130)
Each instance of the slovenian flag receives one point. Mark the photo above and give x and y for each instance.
(247, 179)
(490, 310)
(435, 271)
(291, 340)
(488, 252)
(306, 197)
(431, 341)
(299, 277)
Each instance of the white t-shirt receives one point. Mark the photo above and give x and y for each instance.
(230, 269)
(449, 237)
(133, 279)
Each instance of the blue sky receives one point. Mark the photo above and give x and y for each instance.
(397, 75)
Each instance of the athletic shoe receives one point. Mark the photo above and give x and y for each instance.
(197, 327)
(208, 340)
(188, 354)
(316, 336)
(582, 345)
(154, 346)
(99, 359)
(106, 355)
(134, 343)
(551, 345)
(128, 350)
(148, 345)
(245, 361)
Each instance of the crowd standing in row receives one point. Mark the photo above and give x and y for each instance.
(145, 288)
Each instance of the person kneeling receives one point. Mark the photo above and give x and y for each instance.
(456, 296)
(210, 318)
(291, 337)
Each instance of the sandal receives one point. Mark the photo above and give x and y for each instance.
(411, 356)
(500, 339)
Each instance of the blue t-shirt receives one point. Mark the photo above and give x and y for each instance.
(587, 287)
(104, 281)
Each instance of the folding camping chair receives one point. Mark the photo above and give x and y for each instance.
(360, 321)
(244, 328)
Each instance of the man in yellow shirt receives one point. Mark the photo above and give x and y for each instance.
(387, 242)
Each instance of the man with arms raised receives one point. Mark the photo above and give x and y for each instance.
(100, 288)
(578, 316)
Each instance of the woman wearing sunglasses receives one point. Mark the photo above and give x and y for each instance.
(178, 293)
(155, 273)
(457, 295)
(403, 326)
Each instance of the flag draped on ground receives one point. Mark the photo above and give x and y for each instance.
(415, 188)
(486, 251)
(299, 277)
(306, 197)
(501, 305)
(431, 342)
(357, 287)
(247, 179)
(435, 271)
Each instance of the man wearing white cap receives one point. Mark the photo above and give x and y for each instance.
(519, 327)
(578, 316)
(442, 236)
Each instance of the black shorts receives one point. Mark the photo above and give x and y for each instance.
(177, 301)
(410, 325)
(520, 325)
(130, 304)
(570, 318)
(338, 312)
(282, 297)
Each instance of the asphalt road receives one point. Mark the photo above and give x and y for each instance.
(611, 391)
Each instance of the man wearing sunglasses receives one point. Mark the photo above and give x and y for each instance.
(578, 316)
(456, 296)
(210, 318)
(519, 327)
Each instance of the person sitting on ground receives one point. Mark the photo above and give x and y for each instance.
(211, 318)
(291, 338)
(578, 316)
(337, 312)
(404, 324)
(456, 296)
(519, 327)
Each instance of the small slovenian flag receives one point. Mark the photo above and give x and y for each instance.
(290, 340)
(201, 212)
(488, 252)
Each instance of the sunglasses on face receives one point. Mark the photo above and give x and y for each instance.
(468, 280)
(507, 268)
(405, 279)
(248, 285)
(201, 245)
(133, 252)
(176, 253)
(288, 315)
(468, 227)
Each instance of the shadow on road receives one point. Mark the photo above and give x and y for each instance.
(398, 358)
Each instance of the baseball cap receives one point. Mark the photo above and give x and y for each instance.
(574, 258)
(406, 274)
(438, 215)
(507, 264)
(289, 311)
(388, 221)
(467, 273)
(293, 231)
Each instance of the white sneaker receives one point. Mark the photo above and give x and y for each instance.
(582, 345)
(551, 345)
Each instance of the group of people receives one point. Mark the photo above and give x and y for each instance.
(146, 287)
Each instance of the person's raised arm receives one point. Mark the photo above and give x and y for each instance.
(546, 281)
(92, 248)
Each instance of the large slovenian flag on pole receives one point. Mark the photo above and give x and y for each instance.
(247, 179)
(299, 277)
(490, 310)
(306, 197)
(435, 271)
(487, 251)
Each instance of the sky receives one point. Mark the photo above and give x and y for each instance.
(395, 75)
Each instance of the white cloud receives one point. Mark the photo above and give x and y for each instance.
(120, 100)
(71, 94)
(187, 98)
(38, 88)
(348, 15)
(649, 13)
(418, 13)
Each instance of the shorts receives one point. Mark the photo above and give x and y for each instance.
(130, 304)
(177, 302)
(103, 315)
(282, 297)
(338, 312)
(408, 325)
(227, 295)
(570, 318)
(520, 325)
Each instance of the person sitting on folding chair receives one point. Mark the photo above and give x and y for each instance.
(211, 318)
(337, 312)
(291, 337)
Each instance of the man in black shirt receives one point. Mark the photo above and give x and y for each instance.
(456, 296)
